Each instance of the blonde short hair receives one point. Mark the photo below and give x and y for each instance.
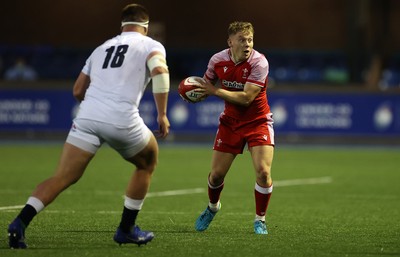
(240, 26)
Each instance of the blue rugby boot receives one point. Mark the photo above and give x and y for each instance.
(135, 236)
(16, 235)
(205, 218)
(260, 227)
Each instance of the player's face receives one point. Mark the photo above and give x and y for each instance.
(241, 45)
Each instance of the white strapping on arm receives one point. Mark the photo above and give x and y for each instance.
(161, 83)
(157, 60)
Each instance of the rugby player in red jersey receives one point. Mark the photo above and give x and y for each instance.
(242, 75)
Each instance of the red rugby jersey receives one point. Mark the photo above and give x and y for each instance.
(233, 77)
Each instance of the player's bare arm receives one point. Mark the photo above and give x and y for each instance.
(160, 76)
(80, 86)
(244, 98)
(162, 120)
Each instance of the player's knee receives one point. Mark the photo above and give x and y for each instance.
(264, 174)
(151, 167)
(148, 164)
(215, 179)
(145, 160)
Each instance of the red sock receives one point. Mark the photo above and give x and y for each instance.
(262, 196)
(214, 192)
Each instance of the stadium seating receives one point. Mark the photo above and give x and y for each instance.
(297, 67)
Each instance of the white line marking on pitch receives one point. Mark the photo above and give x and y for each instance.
(176, 192)
(282, 183)
(11, 207)
(304, 181)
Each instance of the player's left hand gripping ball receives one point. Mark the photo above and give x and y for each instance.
(187, 89)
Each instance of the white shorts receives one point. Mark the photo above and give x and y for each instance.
(89, 135)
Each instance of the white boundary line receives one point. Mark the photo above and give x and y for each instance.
(5, 208)
(282, 183)
(176, 192)
(306, 181)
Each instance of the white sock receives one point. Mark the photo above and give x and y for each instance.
(264, 190)
(215, 206)
(262, 218)
(35, 203)
(133, 204)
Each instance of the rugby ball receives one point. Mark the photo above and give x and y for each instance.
(187, 87)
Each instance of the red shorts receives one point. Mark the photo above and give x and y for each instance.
(233, 135)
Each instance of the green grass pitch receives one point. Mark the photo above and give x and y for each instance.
(341, 201)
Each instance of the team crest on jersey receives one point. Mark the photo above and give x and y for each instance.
(245, 72)
(225, 69)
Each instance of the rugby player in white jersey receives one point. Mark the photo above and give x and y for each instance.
(110, 87)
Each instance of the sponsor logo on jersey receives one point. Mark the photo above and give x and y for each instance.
(232, 84)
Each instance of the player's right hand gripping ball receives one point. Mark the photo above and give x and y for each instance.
(187, 87)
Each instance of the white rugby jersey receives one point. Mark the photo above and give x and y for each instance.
(118, 78)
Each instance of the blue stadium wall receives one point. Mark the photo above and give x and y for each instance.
(371, 117)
